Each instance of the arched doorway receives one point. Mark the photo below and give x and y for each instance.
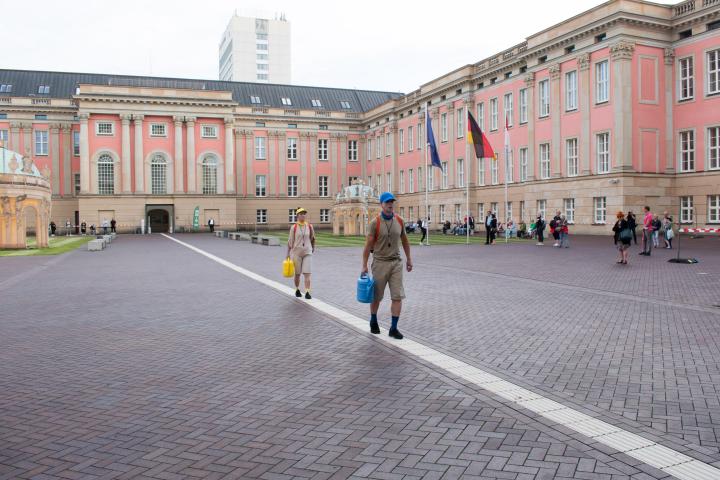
(159, 220)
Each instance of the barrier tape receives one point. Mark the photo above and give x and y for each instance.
(699, 230)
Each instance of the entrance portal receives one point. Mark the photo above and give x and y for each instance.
(159, 218)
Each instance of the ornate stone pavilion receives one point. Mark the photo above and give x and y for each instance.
(353, 208)
(23, 191)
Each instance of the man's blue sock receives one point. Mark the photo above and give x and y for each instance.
(393, 323)
(373, 317)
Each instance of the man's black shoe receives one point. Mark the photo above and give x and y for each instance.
(374, 327)
(297, 293)
(395, 333)
(307, 296)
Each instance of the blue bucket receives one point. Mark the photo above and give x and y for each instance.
(365, 289)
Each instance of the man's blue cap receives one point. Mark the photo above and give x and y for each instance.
(387, 197)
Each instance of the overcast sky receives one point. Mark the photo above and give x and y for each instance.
(377, 44)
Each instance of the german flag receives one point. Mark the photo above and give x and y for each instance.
(478, 139)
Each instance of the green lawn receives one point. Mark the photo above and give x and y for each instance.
(57, 246)
(327, 239)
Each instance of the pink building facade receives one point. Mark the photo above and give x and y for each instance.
(613, 109)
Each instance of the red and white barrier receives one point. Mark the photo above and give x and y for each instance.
(699, 230)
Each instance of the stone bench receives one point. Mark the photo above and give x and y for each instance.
(95, 245)
(239, 236)
(220, 233)
(270, 241)
(108, 239)
(254, 238)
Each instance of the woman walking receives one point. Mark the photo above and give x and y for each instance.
(540, 230)
(623, 237)
(564, 231)
(301, 246)
(668, 234)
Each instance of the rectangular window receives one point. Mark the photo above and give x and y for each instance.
(603, 152)
(510, 167)
(41, 142)
(686, 88)
(713, 72)
(481, 115)
(686, 210)
(388, 182)
(571, 155)
(316, 103)
(602, 82)
(411, 181)
(286, 101)
(493, 171)
(713, 208)
(369, 149)
(410, 141)
(261, 46)
(260, 148)
(508, 108)
(4, 137)
(569, 207)
(481, 210)
(544, 161)
(457, 212)
(292, 215)
(388, 144)
(460, 173)
(542, 208)
(600, 209)
(401, 140)
(158, 130)
(523, 106)
(523, 164)
(571, 91)
(443, 128)
(292, 148)
(352, 150)
(544, 98)
(76, 177)
(323, 182)
(522, 210)
(345, 104)
(431, 179)
(442, 213)
(378, 150)
(493, 114)
(420, 179)
(104, 128)
(324, 215)
(209, 131)
(494, 208)
(420, 138)
(687, 151)
(411, 211)
(713, 147)
(444, 178)
(481, 171)
(76, 143)
(255, 99)
(508, 211)
(402, 182)
(322, 149)
(460, 122)
(260, 185)
(292, 186)
(261, 215)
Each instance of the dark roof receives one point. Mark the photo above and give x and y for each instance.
(25, 83)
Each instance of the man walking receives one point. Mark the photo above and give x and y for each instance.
(490, 226)
(301, 246)
(385, 234)
(647, 232)
(423, 229)
(211, 224)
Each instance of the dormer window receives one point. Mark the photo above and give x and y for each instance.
(254, 100)
(345, 105)
(5, 88)
(316, 103)
(286, 101)
(44, 89)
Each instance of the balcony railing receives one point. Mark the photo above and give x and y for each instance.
(685, 8)
(5, 100)
(40, 101)
(260, 110)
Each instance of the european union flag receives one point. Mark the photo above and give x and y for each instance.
(434, 156)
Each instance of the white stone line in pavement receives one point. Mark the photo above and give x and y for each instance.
(669, 461)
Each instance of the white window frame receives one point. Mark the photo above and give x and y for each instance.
(460, 170)
(322, 149)
(401, 140)
(459, 117)
(261, 216)
(602, 82)
(458, 212)
(523, 154)
(209, 172)
(442, 213)
(388, 181)
(494, 208)
(260, 186)
(106, 175)
(420, 136)
(410, 139)
(602, 155)
(508, 210)
(571, 91)
(158, 175)
(443, 127)
(599, 210)
(76, 143)
(480, 109)
(510, 166)
(686, 210)
(378, 149)
(544, 98)
(481, 172)
(542, 208)
(158, 130)
(508, 108)
(686, 151)
(41, 142)
(686, 78)
(260, 150)
(209, 131)
(352, 150)
(494, 171)
(104, 128)
(544, 159)
(712, 139)
(444, 178)
(388, 144)
(571, 157)
(713, 209)
(292, 215)
(286, 101)
(324, 215)
(522, 210)
(292, 186)
(712, 78)
(431, 178)
(523, 101)
(292, 150)
(323, 186)
(569, 207)
(402, 182)
(316, 103)
(411, 181)
(493, 114)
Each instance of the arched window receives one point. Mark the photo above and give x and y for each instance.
(158, 174)
(209, 175)
(106, 175)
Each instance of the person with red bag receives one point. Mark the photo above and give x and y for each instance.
(301, 246)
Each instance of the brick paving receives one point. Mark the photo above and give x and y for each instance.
(149, 361)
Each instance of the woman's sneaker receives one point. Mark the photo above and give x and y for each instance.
(307, 295)
(297, 293)
(395, 333)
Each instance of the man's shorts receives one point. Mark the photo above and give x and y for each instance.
(303, 264)
(388, 273)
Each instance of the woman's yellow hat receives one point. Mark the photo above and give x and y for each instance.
(300, 210)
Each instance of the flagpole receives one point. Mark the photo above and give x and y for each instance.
(427, 215)
(507, 145)
(467, 178)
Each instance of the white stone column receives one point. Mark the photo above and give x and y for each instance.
(139, 155)
(249, 159)
(313, 187)
(669, 135)
(530, 85)
(555, 108)
(272, 177)
(67, 158)
(178, 160)
(621, 54)
(125, 159)
(191, 167)
(55, 152)
(584, 94)
(239, 175)
(84, 154)
(229, 156)
(282, 159)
